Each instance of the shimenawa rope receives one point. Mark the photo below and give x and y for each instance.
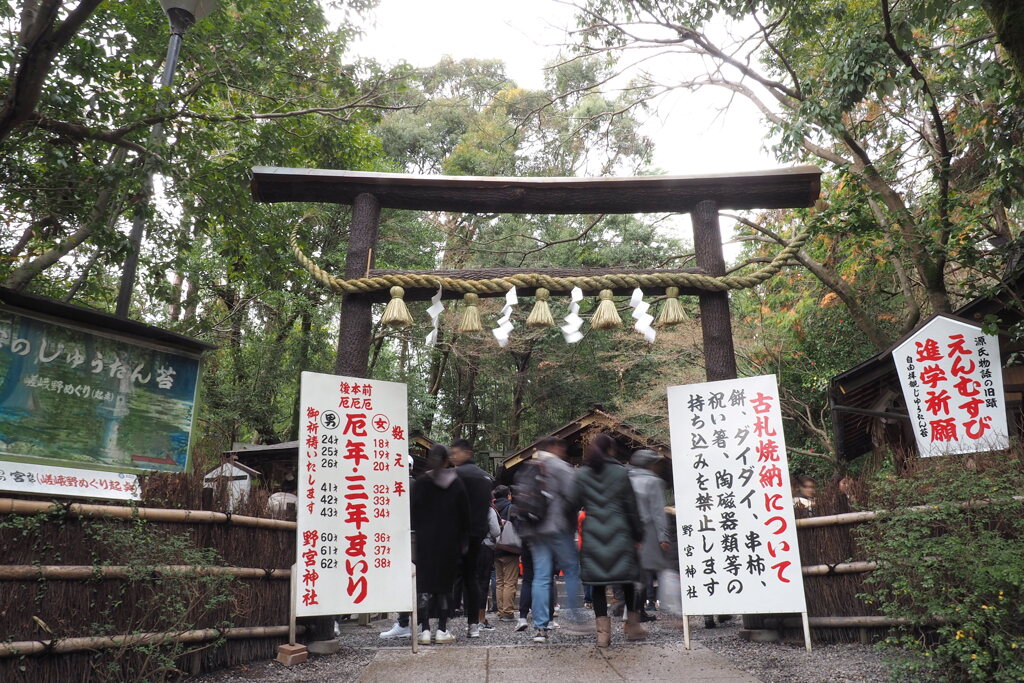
(500, 285)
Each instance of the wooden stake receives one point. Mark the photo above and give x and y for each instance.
(807, 631)
(686, 630)
(414, 619)
(293, 593)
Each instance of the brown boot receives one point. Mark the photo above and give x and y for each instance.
(634, 631)
(604, 631)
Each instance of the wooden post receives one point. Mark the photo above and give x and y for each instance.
(292, 653)
(715, 321)
(293, 593)
(356, 319)
(414, 619)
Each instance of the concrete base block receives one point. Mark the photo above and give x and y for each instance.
(760, 635)
(290, 655)
(324, 647)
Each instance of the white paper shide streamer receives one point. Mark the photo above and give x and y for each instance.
(643, 319)
(573, 321)
(504, 328)
(435, 311)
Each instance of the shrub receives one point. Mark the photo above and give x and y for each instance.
(955, 572)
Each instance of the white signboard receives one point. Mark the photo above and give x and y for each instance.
(738, 549)
(50, 480)
(353, 544)
(952, 380)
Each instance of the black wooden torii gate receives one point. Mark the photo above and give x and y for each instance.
(701, 196)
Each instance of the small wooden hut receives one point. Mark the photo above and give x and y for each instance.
(579, 433)
(276, 461)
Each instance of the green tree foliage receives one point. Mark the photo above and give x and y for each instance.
(913, 112)
(954, 570)
(472, 120)
(259, 83)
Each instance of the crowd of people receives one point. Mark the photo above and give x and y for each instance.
(602, 527)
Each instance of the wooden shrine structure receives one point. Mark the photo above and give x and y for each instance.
(580, 431)
(701, 196)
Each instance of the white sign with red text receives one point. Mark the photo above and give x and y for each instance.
(952, 380)
(353, 552)
(738, 550)
(50, 480)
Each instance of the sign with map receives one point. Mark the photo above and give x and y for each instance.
(85, 399)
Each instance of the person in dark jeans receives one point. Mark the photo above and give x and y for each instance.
(478, 485)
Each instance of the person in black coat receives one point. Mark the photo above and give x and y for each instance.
(439, 508)
(478, 486)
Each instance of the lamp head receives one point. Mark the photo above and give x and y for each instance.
(183, 13)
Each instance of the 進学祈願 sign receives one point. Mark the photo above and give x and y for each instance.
(952, 380)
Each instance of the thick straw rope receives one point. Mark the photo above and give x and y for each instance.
(500, 285)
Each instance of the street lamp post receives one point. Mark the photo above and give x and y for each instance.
(181, 14)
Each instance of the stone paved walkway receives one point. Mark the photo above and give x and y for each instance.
(519, 664)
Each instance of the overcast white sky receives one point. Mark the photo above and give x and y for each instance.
(691, 135)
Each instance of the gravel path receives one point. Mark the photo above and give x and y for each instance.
(781, 662)
(770, 662)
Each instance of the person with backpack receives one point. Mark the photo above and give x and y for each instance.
(543, 489)
(506, 556)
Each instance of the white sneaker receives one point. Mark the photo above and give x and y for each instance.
(521, 625)
(444, 637)
(397, 631)
(474, 630)
(424, 638)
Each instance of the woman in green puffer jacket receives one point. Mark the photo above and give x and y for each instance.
(610, 534)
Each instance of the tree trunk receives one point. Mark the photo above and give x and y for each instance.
(462, 401)
(41, 39)
(1007, 17)
(305, 329)
(522, 362)
(23, 274)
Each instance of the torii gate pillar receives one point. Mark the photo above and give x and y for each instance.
(715, 321)
(354, 336)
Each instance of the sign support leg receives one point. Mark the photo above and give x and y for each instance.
(292, 653)
(686, 631)
(291, 604)
(414, 620)
(807, 631)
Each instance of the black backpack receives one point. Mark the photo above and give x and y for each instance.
(531, 495)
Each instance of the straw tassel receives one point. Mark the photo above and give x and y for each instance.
(470, 315)
(672, 312)
(540, 316)
(607, 316)
(396, 313)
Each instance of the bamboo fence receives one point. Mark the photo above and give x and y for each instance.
(45, 608)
